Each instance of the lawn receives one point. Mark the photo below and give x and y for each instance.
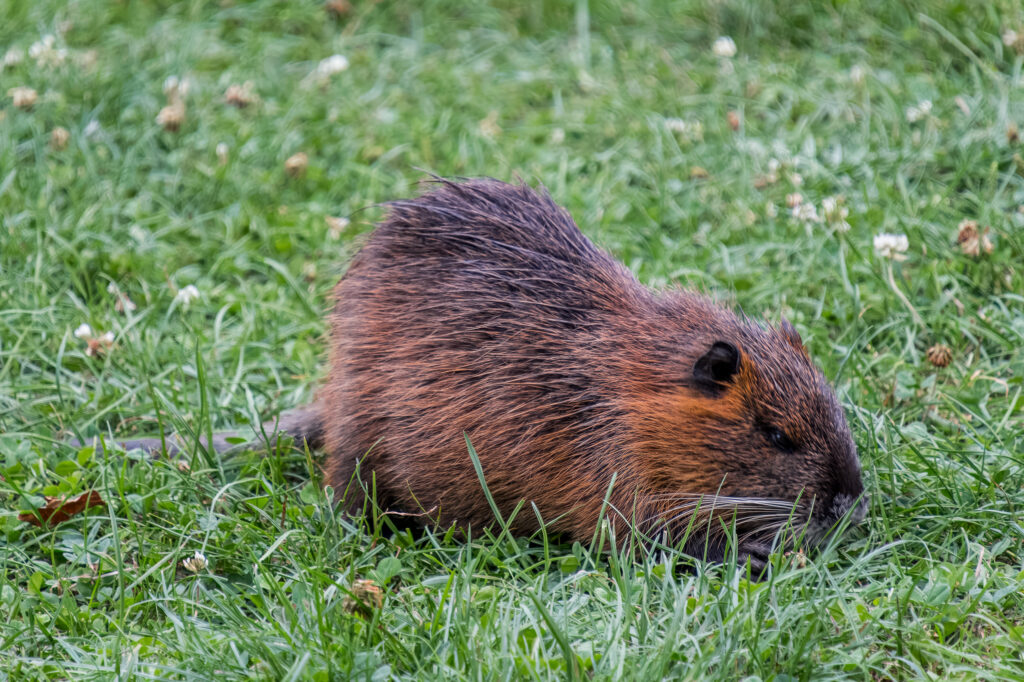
(181, 184)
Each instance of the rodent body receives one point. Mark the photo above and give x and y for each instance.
(480, 310)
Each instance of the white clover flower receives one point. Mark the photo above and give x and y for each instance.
(296, 164)
(919, 111)
(335, 226)
(973, 241)
(171, 85)
(724, 47)
(857, 74)
(835, 213)
(95, 345)
(805, 213)
(891, 246)
(195, 563)
(833, 209)
(12, 57)
(172, 116)
(22, 97)
(365, 596)
(769, 178)
(241, 96)
(336, 63)
(124, 304)
(186, 295)
(45, 54)
(40, 46)
(1009, 37)
(676, 125)
(59, 138)
(691, 130)
(175, 87)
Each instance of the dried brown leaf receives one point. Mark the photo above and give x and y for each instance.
(58, 510)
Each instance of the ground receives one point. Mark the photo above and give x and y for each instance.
(180, 223)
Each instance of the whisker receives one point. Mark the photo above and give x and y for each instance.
(740, 512)
(752, 519)
(793, 532)
(707, 509)
(724, 500)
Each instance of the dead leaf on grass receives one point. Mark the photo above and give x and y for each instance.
(58, 510)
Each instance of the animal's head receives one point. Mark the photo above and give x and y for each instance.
(749, 433)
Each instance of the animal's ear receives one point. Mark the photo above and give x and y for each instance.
(718, 365)
(792, 336)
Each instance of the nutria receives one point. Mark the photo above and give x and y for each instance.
(480, 311)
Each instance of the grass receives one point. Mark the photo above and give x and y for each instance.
(580, 96)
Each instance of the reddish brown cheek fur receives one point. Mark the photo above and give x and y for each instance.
(689, 442)
(673, 439)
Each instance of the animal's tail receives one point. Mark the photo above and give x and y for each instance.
(300, 424)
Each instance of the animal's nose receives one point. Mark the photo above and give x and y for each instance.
(855, 507)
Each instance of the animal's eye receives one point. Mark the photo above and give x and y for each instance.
(779, 440)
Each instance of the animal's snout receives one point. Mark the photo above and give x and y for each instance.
(861, 511)
(856, 507)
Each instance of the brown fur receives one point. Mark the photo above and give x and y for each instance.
(481, 310)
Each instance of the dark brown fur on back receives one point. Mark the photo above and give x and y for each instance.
(481, 309)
